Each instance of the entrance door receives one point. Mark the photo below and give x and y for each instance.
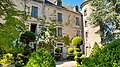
(33, 28)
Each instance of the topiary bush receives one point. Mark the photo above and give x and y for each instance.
(70, 55)
(57, 54)
(70, 50)
(57, 50)
(41, 58)
(27, 37)
(77, 49)
(77, 41)
(79, 54)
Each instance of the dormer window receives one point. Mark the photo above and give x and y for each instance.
(59, 3)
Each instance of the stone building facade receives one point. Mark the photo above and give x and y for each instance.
(68, 19)
(89, 35)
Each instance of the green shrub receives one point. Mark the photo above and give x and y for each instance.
(83, 57)
(21, 60)
(7, 59)
(108, 57)
(41, 58)
(77, 41)
(57, 50)
(70, 56)
(77, 49)
(95, 49)
(79, 54)
(70, 50)
(78, 59)
(57, 57)
(27, 37)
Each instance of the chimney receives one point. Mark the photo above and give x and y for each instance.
(59, 3)
(76, 8)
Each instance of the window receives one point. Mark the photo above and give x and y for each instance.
(86, 34)
(33, 28)
(78, 33)
(59, 17)
(85, 23)
(59, 32)
(77, 21)
(85, 12)
(34, 11)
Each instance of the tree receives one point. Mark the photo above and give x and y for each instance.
(26, 38)
(95, 49)
(105, 13)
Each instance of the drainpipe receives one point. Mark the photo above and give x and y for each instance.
(43, 8)
(24, 7)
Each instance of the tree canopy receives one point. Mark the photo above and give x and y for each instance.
(106, 14)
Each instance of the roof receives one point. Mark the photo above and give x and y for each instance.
(84, 3)
(49, 3)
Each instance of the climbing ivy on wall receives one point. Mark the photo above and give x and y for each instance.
(8, 32)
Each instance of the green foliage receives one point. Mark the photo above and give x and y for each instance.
(95, 49)
(83, 57)
(77, 49)
(7, 59)
(41, 58)
(8, 32)
(108, 57)
(46, 37)
(21, 60)
(79, 54)
(105, 13)
(78, 59)
(27, 37)
(66, 40)
(77, 41)
(70, 55)
(70, 50)
(57, 50)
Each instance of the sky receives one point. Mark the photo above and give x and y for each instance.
(73, 2)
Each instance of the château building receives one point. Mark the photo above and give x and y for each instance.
(68, 19)
(89, 32)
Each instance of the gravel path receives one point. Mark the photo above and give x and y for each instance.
(66, 64)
